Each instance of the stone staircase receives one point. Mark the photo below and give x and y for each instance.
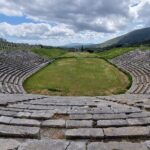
(40, 122)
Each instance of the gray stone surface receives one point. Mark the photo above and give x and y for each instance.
(137, 121)
(116, 146)
(54, 123)
(147, 143)
(19, 131)
(44, 145)
(23, 114)
(5, 120)
(41, 115)
(77, 146)
(109, 116)
(5, 99)
(8, 113)
(25, 122)
(127, 132)
(9, 144)
(79, 123)
(111, 123)
(81, 117)
(90, 120)
(84, 133)
(139, 115)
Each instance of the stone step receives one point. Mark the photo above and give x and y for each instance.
(19, 131)
(46, 144)
(9, 144)
(18, 121)
(84, 133)
(125, 122)
(81, 116)
(117, 146)
(109, 116)
(25, 122)
(101, 133)
(54, 123)
(127, 132)
(79, 124)
(111, 123)
(35, 115)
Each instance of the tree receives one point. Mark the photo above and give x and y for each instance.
(82, 49)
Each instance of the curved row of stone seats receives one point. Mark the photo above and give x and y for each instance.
(15, 67)
(137, 63)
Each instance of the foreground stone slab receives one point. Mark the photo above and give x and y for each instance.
(127, 132)
(137, 121)
(77, 146)
(41, 115)
(139, 115)
(82, 133)
(147, 144)
(25, 122)
(44, 145)
(8, 144)
(8, 113)
(5, 120)
(81, 117)
(116, 146)
(109, 116)
(77, 123)
(19, 131)
(111, 123)
(54, 123)
(24, 114)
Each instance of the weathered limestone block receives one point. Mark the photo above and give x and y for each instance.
(84, 133)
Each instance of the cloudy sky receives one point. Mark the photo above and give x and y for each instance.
(59, 22)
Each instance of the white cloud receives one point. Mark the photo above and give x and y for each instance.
(144, 12)
(10, 8)
(34, 31)
(73, 20)
(79, 14)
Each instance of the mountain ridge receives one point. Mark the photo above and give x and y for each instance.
(138, 36)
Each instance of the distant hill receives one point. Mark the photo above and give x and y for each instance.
(76, 45)
(140, 36)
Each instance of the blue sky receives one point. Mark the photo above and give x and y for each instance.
(59, 22)
(14, 20)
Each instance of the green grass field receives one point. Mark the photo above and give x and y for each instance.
(77, 77)
(80, 73)
(79, 54)
(112, 53)
(49, 53)
(109, 54)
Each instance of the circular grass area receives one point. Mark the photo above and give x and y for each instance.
(78, 77)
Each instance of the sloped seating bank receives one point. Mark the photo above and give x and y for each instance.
(137, 63)
(37, 122)
(15, 67)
